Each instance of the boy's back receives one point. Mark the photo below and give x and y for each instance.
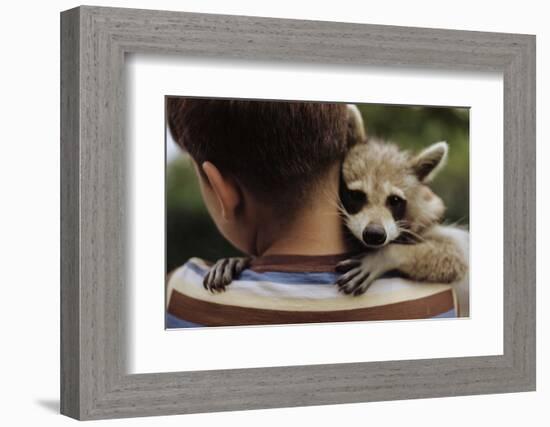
(290, 289)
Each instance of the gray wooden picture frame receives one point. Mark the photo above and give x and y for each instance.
(94, 41)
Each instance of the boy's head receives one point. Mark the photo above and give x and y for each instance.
(258, 157)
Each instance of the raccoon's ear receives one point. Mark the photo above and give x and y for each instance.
(356, 127)
(429, 161)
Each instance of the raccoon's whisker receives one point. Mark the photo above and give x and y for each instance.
(456, 223)
(333, 198)
(341, 210)
(412, 233)
(333, 203)
(420, 225)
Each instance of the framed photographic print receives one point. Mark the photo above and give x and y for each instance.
(262, 213)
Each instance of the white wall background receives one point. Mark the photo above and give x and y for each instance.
(29, 214)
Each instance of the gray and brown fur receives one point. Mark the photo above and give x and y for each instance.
(384, 193)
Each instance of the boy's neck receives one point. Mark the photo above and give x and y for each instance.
(316, 230)
(300, 240)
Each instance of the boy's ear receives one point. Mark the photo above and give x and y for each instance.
(429, 161)
(226, 190)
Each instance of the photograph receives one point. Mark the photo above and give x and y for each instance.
(283, 212)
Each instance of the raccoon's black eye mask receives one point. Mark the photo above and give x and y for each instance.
(353, 200)
(397, 206)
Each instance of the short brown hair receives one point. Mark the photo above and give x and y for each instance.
(275, 149)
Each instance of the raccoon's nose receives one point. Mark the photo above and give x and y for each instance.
(374, 235)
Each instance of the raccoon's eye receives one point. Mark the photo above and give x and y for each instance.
(357, 196)
(353, 200)
(397, 206)
(394, 200)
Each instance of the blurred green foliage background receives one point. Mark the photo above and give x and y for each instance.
(190, 231)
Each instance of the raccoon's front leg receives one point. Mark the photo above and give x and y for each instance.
(223, 272)
(438, 258)
(362, 271)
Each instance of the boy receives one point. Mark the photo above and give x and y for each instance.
(269, 176)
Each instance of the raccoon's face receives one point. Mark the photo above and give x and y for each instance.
(384, 195)
(373, 215)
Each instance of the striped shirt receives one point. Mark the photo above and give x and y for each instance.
(291, 289)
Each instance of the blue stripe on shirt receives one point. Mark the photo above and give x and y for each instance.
(173, 322)
(447, 315)
(287, 278)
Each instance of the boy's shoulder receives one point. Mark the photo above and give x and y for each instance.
(188, 274)
(198, 265)
(271, 292)
(261, 283)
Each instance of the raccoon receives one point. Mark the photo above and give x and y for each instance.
(389, 208)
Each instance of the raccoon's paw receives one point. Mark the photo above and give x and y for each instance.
(360, 273)
(223, 272)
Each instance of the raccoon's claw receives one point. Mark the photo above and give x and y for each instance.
(360, 273)
(356, 281)
(347, 265)
(223, 272)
